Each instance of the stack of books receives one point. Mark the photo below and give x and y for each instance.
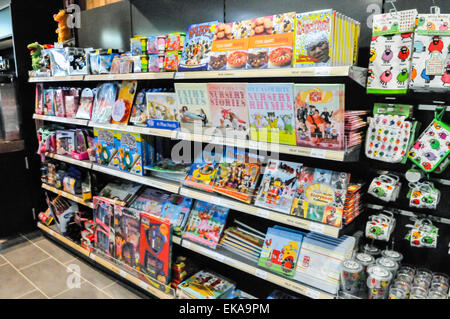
(354, 124)
(353, 204)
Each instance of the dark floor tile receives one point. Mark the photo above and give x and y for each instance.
(13, 284)
(55, 250)
(23, 254)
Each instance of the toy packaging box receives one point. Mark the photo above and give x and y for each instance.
(320, 115)
(122, 193)
(279, 186)
(151, 200)
(206, 285)
(281, 250)
(176, 209)
(59, 102)
(171, 60)
(127, 231)
(175, 41)
(229, 111)
(104, 235)
(162, 110)
(71, 101)
(206, 223)
(39, 99)
(78, 62)
(65, 142)
(49, 106)
(106, 147)
(271, 41)
(230, 46)
(155, 248)
(131, 152)
(193, 106)
(203, 171)
(431, 53)
(321, 195)
(121, 111)
(390, 52)
(271, 112)
(86, 101)
(197, 47)
(104, 100)
(139, 111)
(238, 174)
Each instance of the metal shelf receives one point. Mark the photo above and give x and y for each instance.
(135, 129)
(67, 195)
(57, 119)
(66, 241)
(70, 160)
(56, 78)
(130, 76)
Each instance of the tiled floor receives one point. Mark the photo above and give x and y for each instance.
(34, 267)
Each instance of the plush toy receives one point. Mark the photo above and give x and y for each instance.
(63, 31)
(35, 53)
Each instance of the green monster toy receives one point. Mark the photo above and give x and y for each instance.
(35, 52)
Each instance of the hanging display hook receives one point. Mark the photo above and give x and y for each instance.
(393, 9)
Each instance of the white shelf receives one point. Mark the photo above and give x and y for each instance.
(67, 195)
(67, 159)
(261, 212)
(150, 181)
(67, 120)
(135, 129)
(130, 76)
(247, 266)
(56, 78)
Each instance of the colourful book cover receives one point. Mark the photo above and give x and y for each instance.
(321, 195)
(280, 251)
(155, 248)
(238, 174)
(206, 285)
(314, 38)
(150, 200)
(49, 105)
(130, 152)
(127, 227)
(320, 115)
(229, 110)
(206, 223)
(106, 147)
(139, 111)
(104, 234)
(279, 185)
(162, 110)
(271, 112)
(202, 172)
(197, 47)
(193, 105)
(176, 209)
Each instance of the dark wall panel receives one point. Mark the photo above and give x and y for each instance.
(106, 27)
(422, 6)
(163, 16)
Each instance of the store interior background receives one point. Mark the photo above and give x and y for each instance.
(112, 25)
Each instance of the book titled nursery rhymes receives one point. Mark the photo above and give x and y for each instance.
(193, 105)
(271, 112)
(206, 223)
(320, 115)
(162, 110)
(228, 104)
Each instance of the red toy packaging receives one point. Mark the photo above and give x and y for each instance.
(155, 248)
(171, 60)
(104, 237)
(175, 41)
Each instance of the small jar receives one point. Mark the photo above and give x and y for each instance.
(418, 293)
(352, 274)
(372, 250)
(407, 271)
(389, 264)
(433, 294)
(365, 260)
(392, 254)
(406, 286)
(378, 281)
(396, 293)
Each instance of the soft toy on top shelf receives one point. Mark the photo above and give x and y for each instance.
(64, 33)
(37, 62)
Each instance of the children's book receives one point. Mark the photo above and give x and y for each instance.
(280, 251)
(106, 147)
(130, 151)
(122, 193)
(279, 185)
(150, 200)
(197, 47)
(320, 115)
(271, 112)
(206, 285)
(121, 110)
(203, 171)
(155, 248)
(321, 195)
(206, 223)
(162, 110)
(229, 111)
(176, 209)
(105, 98)
(238, 174)
(86, 100)
(127, 228)
(139, 110)
(193, 106)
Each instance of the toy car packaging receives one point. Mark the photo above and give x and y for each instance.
(197, 47)
(433, 145)
(106, 147)
(390, 52)
(155, 249)
(130, 152)
(380, 227)
(431, 56)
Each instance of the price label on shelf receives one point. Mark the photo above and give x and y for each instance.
(322, 71)
(316, 227)
(123, 273)
(261, 273)
(51, 232)
(319, 153)
(297, 222)
(179, 75)
(314, 294)
(92, 256)
(217, 256)
(183, 136)
(143, 285)
(186, 244)
(262, 213)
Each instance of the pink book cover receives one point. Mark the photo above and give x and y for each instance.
(229, 111)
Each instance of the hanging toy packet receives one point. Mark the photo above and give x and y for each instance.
(433, 145)
(431, 58)
(390, 52)
(423, 234)
(380, 227)
(423, 195)
(385, 187)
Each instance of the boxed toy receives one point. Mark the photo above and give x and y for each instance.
(279, 185)
(121, 110)
(86, 100)
(153, 63)
(127, 230)
(271, 112)
(104, 237)
(321, 195)
(175, 41)
(177, 209)
(131, 152)
(77, 59)
(206, 223)
(155, 248)
(320, 115)
(59, 101)
(197, 47)
(162, 110)
(150, 200)
(203, 171)
(106, 147)
(139, 111)
(49, 106)
(71, 102)
(123, 193)
(171, 60)
(229, 112)
(281, 250)
(105, 98)
(65, 142)
(271, 41)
